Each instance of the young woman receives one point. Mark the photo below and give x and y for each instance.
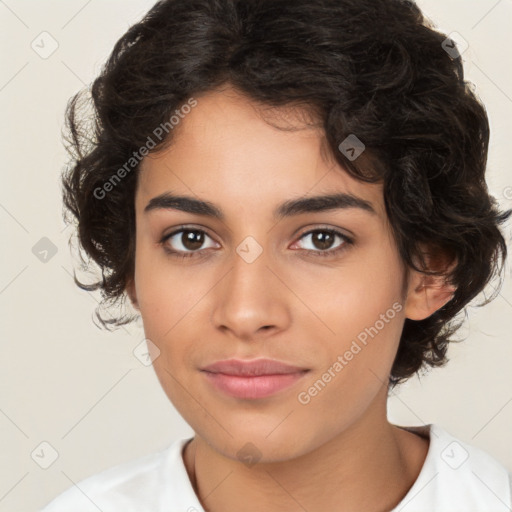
(292, 195)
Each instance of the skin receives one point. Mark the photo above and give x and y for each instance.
(337, 452)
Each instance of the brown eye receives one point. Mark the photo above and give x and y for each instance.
(322, 242)
(186, 242)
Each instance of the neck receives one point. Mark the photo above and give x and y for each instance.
(369, 466)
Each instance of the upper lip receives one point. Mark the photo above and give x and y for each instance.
(252, 367)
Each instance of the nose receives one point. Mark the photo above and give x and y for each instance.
(251, 301)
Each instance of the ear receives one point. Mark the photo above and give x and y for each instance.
(426, 293)
(130, 290)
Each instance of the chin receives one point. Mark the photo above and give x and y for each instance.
(259, 443)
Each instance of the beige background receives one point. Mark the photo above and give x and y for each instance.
(65, 382)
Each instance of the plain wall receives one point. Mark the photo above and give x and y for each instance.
(80, 389)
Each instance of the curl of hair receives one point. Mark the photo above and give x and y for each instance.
(373, 68)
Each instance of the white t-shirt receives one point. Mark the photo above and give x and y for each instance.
(455, 477)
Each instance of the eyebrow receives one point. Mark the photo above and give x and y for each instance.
(289, 208)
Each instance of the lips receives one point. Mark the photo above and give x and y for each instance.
(254, 367)
(257, 378)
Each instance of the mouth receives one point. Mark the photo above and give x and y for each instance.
(254, 379)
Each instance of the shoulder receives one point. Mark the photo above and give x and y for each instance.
(145, 483)
(457, 476)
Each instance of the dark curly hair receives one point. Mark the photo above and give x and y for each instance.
(374, 68)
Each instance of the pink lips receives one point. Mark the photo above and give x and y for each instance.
(257, 378)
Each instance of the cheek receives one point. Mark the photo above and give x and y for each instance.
(173, 309)
(364, 309)
(355, 297)
(165, 293)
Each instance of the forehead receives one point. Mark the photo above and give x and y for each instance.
(229, 149)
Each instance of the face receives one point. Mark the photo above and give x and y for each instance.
(318, 289)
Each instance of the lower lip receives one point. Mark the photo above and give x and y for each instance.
(252, 387)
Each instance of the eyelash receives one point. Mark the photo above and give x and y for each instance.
(318, 253)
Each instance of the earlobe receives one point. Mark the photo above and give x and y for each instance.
(427, 293)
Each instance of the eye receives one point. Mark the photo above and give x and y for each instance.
(321, 241)
(185, 242)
